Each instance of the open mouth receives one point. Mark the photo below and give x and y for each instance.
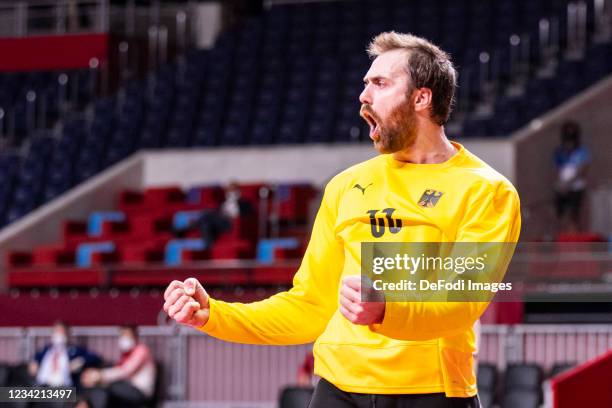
(369, 118)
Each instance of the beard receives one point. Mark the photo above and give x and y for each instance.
(396, 133)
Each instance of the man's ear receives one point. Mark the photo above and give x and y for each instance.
(422, 99)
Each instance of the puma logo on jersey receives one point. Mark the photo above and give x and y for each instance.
(363, 189)
(430, 198)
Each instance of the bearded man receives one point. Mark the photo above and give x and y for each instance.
(421, 188)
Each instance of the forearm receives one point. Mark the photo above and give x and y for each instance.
(112, 374)
(127, 368)
(419, 321)
(284, 319)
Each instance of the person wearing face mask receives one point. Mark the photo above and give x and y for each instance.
(59, 363)
(130, 382)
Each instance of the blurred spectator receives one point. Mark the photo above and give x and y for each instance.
(61, 363)
(130, 382)
(572, 162)
(306, 371)
(212, 223)
(82, 403)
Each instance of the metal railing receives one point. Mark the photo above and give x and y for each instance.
(150, 36)
(23, 18)
(37, 102)
(484, 80)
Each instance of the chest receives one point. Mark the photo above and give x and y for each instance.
(400, 209)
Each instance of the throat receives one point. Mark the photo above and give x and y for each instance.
(416, 155)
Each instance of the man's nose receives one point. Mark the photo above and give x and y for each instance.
(365, 98)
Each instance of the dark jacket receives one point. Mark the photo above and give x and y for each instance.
(74, 352)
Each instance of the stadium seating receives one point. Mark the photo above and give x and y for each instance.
(560, 368)
(487, 384)
(138, 241)
(520, 398)
(291, 75)
(5, 372)
(522, 383)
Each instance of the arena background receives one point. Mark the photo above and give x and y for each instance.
(120, 120)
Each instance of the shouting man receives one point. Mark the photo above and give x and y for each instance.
(421, 188)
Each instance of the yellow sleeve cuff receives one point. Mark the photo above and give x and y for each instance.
(212, 323)
(393, 320)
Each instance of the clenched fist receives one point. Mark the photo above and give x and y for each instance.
(187, 302)
(354, 309)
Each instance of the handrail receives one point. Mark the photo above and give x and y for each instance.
(54, 17)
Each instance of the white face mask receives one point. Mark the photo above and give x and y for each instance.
(126, 343)
(233, 195)
(58, 339)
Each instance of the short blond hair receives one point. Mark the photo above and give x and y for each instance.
(428, 67)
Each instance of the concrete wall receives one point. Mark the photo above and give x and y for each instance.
(313, 163)
(535, 144)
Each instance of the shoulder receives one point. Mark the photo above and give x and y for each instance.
(481, 178)
(346, 178)
(43, 350)
(356, 175)
(584, 153)
(142, 350)
(74, 350)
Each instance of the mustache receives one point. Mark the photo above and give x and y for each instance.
(367, 109)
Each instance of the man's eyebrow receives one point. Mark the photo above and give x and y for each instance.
(374, 78)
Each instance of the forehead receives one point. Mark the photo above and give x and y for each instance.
(125, 330)
(390, 64)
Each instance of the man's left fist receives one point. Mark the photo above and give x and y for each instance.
(354, 309)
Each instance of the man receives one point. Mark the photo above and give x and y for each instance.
(572, 162)
(59, 363)
(130, 382)
(423, 188)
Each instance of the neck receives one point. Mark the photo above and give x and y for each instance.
(430, 146)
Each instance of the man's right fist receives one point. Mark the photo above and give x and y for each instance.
(187, 302)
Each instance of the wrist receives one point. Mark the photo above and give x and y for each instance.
(97, 377)
(205, 320)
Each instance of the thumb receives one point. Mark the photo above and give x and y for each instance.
(195, 289)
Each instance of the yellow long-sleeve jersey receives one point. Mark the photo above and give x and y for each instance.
(420, 347)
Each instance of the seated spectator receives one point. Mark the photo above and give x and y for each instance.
(60, 364)
(212, 223)
(130, 382)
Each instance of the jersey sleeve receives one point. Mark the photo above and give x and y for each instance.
(492, 216)
(300, 314)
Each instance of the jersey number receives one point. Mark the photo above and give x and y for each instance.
(377, 224)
